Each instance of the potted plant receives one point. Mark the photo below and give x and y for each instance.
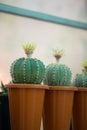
(4, 108)
(26, 93)
(59, 98)
(80, 100)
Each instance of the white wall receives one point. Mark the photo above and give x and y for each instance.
(15, 31)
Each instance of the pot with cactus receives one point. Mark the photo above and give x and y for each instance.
(80, 100)
(4, 108)
(26, 92)
(59, 98)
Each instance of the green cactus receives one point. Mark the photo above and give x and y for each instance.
(81, 79)
(57, 74)
(27, 70)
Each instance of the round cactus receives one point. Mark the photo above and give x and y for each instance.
(81, 79)
(27, 70)
(57, 74)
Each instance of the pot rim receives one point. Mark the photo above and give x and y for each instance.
(82, 89)
(27, 86)
(66, 88)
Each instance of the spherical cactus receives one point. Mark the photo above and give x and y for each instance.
(27, 70)
(57, 74)
(81, 79)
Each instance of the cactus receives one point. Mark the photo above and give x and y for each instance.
(81, 79)
(57, 74)
(27, 70)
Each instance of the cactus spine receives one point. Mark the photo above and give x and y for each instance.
(81, 79)
(57, 74)
(27, 70)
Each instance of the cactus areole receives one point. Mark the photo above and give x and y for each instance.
(81, 79)
(57, 74)
(27, 70)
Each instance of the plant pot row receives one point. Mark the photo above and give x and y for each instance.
(79, 119)
(65, 108)
(29, 103)
(55, 101)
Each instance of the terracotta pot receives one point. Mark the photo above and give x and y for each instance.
(58, 108)
(26, 105)
(80, 110)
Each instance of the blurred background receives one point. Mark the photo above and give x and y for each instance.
(17, 30)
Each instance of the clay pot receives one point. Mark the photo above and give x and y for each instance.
(26, 105)
(58, 108)
(80, 110)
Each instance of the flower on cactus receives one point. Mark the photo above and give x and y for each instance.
(85, 66)
(58, 53)
(29, 48)
(85, 63)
